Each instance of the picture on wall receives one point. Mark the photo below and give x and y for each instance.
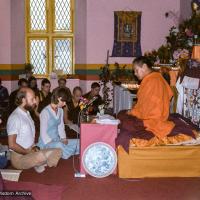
(127, 31)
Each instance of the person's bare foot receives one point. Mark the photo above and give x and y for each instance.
(53, 156)
(40, 169)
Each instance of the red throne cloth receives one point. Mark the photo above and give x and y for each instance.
(133, 128)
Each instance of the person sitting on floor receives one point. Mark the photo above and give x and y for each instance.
(32, 83)
(21, 136)
(52, 130)
(21, 84)
(73, 107)
(4, 96)
(62, 84)
(4, 102)
(149, 122)
(44, 95)
(71, 119)
(95, 89)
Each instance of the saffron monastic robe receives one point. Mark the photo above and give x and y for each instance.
(153, 105)
(149, 122)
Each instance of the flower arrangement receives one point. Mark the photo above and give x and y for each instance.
(179, 43)
(181, 54)
(83, 103)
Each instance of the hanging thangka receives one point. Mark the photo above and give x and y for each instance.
(127, 29)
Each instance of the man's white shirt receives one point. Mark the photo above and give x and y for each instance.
(21, 124)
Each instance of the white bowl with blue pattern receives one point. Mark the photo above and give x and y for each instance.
(99, 159)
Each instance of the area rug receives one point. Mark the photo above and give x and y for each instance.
(39, 191)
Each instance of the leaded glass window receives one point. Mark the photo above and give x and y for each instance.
(63, 15)
(38, 56)
(38, 15)
(49, 35)
(62, 55)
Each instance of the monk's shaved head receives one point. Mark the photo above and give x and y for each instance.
(142, 60)
(142, 66)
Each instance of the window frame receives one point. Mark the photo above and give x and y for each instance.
(50, 34)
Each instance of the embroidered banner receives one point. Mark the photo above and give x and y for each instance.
(191, 105)
(127, 30)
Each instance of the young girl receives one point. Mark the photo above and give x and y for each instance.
(52, 131)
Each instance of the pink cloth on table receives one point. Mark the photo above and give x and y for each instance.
(91, 133)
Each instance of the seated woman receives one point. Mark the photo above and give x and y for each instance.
(149, 123)
(71, 113)
(52, 131)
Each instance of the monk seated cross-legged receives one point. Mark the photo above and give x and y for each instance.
(149, 122)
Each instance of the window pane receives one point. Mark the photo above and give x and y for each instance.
(63, 15)
(38, 56)
(63, 55)
(38, 14)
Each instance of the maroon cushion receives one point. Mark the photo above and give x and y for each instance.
(39, 191)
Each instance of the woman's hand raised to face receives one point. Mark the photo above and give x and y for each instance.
(64, 141)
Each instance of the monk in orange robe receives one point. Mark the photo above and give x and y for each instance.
(153, 101)
(149, 121)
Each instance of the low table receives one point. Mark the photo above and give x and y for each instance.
(91, 133)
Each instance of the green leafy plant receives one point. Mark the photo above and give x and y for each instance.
(104, 76)
(182, 37)
(117, 75)
(121, 73)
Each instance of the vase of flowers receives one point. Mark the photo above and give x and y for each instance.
(181, 57)
(83, 104)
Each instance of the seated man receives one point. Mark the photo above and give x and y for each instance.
(21, 83)
(44, 95)
(52, 130)
(95, 89)
(73, 107)
(149, 122)
(62, 84)
(71, 114)
(4, 96)
(4, 102)
(21, 136)
(32, 83)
